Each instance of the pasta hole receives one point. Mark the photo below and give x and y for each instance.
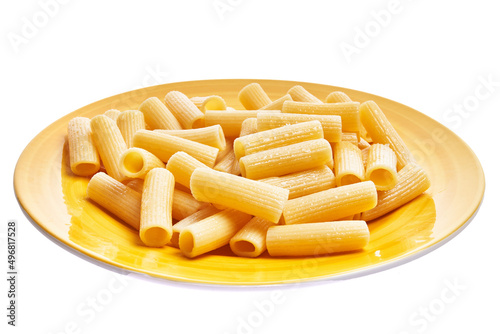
(349, 179)
(244, 246)
(381, 177)
(156, 237)
(186, 241)
(86, 168)
(215, 103)
(133, 162)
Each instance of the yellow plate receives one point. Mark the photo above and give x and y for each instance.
(54, 200)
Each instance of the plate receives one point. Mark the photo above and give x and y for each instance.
(55, 202)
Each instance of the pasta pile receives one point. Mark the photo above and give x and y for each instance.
(296, 176)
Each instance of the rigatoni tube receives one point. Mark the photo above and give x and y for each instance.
(212, 232)
(129, 122)
(252, 197)
(212, 102)
(331, 204)
(349, 167)
(304, 183)
(335, 97)
(317, 238)
(182, 165)
(412, 181)
(381, 167)
(156, 208)
(164, 146)
(231, 120)
(250, 241)
(381, 131)
(83, 156)
(158, 116)
(253, 97)
(191, 219)
(277, 104)
(117, 198)
(299, 93)
(288, 159)
(332, 125)
(110, 144)
(136, 162)
(210, 135)
(348, 111)
(186, 112)
(283, 136)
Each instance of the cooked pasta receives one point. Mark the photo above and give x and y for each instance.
(253, 97)
(212, 102)
(299, 93)
(250, 241)
(349, 167)
(381, 167)
(129, 122)
(83, 155)
(277, 104)
(136, 162)
(158, 116)
(186, 112)
(182, 165)
(231, 120)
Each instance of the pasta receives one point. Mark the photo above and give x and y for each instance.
(83, 155)
(164, 146)
(381, 167)
(182, 165)
(304, 183)
(109, 143)
(112, 113)
(212, 232)
(117, 198)
(336, 97)
(185, 205)
(279, 137)
(194, 218)
(212, 102)
(349, 167)
(332, 125)
(287, 159)
(136, 162)
(331, 204)
(253, 97)
(317, 238)
(248, 127)
(156, 208)
(210, 135)
(312, 173)
(158, 116)
(277, 104)
(230, 121)
(299, 93)
(235, 192)
(381, 131)
(186, 112)
(412, 181)
(348, 111)
(129, 122)
(250, 241)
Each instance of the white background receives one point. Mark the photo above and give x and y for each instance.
(428, 55)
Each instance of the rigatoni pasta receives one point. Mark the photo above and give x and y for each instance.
(315, 239)
(194, 218)
(209, 135)
(182, 165)
(129, 122)
(212, 232)
(250, 241)
(332, 125)
(83, 154)
(235, 192)
(335, 97)
(381, 167)
(158, 116)
(231, 120)
(279, 137)
(109, 143)
(156, 208)
(304, 183)
(349, 167)
(252, 97)
(164, 146)
(348, 111)
(299, 93)
(277, 104)
(136, 162)
(331, 204)
(212, 102)
(287, 159)
(184, 110)
(381, 131)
